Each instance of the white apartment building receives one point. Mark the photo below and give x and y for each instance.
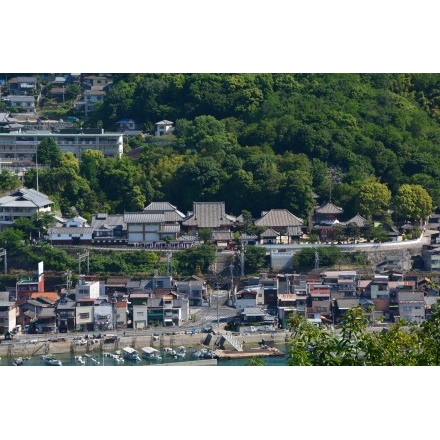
(18, 150)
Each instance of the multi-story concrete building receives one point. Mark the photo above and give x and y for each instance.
(18, 150)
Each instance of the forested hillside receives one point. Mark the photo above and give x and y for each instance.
(262, 141)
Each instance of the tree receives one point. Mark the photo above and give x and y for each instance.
(374, 199)
(8, 180)
(412, 202)
(10, 239)
(186, 261)
(254, 258)
(48, 153)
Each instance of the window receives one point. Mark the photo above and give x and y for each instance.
(84, 315)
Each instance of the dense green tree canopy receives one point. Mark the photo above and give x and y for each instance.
(262, 141)
(351, 344)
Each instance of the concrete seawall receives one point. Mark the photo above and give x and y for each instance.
(24, 346)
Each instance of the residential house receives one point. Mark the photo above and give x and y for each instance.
(431, 257)
(251, 296)
(8, 316)
(195, 289)
(87, 289)
(139, 311)
(25, 287)
(340, 306)
(289, 305)
(23, 103)
(158, 226)
(116, 285)
(109, 229)
(104, 318)
(411, 305)
(248, 239)
(23, 84)
(319, 300)
(169, 310)
(47, 321)
(66, 314)
(163, 127)
(341, 281)
(70, 235)
(22, 202)
(84, 314)
(126, 124)
(8, 124)
(253, 315)
(270, 236)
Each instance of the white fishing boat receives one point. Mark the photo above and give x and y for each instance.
(50, 359)
(151, 354)
(130, 354)
(169, 352)
(80, 360)
(181, 351)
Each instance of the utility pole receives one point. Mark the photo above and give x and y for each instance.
(82, 257)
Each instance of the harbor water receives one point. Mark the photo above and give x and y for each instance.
(99, 359)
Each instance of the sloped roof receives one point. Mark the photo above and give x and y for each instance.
(143, 217)
(70, 230)
(276, 218)
(170, 211)
(329, 208)
(347, 303)
(110, 220)
(209, 215)
(269, 233)
(357, 219)
(26, 197)
(294, 231)
(245, 236)
(222, 235)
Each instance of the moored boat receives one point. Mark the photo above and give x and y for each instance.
(181, 351)
(151, 354)
(50, 359)
(130, 354)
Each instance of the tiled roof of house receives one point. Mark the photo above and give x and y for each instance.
(143, 217)
(170, 211)
(245, 236)
(209, 215)
(25, 197)
(357, 219)
(47, 312)
(109, 220)
(294, 231)
(169, 229)
(347, 303)
(329, 208)
(222, 235)
(269, 233)
(70, 230)
(276, 218)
